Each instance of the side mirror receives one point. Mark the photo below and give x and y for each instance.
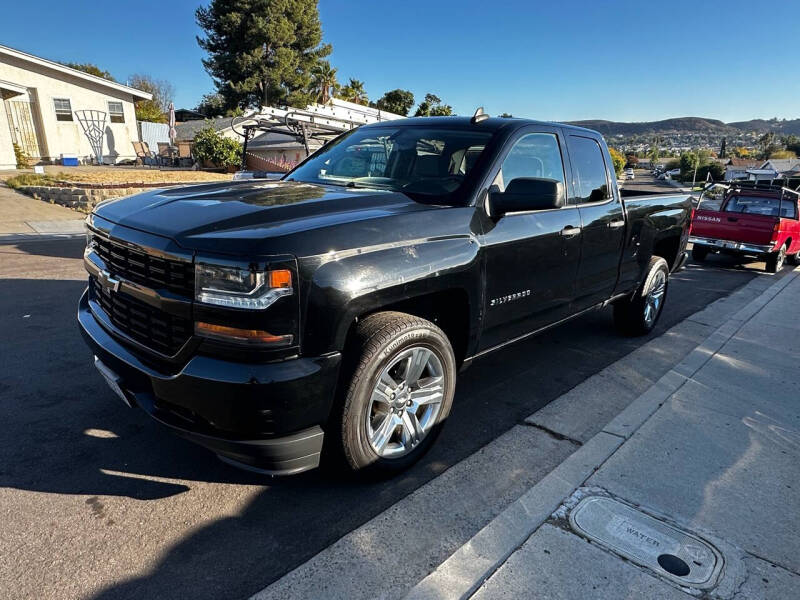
(526, 193)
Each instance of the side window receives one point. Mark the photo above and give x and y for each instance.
(533, 155)
(63, 109)
(590, 169)
(115, 112)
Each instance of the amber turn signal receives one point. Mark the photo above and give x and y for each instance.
(234, 334)
(280, 279)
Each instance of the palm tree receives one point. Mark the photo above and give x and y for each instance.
(354, 92)
(324, 81)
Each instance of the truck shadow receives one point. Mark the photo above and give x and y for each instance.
(64, 432)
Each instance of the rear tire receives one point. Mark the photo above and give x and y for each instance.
(639, 314)
(795, 258)
(699, 253)
(775, 260)
(398, 393)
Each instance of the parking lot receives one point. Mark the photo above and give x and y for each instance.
(98, 501)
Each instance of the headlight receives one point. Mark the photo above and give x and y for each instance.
(236, 287)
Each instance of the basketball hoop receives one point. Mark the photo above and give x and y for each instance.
(93, 123)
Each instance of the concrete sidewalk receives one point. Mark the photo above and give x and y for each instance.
(704, 465)
(23, 217)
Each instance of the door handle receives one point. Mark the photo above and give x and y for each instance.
(570, 231)
(616, 224)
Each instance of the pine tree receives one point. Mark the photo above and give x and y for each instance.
(262, 51)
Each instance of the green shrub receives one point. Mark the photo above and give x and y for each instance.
(215, 148)
(23, 159)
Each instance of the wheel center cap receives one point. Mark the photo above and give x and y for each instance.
(401, 399)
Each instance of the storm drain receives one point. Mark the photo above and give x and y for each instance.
(672, 553)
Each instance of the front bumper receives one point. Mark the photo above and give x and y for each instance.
(262, 416)
(731, 245)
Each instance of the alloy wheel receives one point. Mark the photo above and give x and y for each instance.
(655, 297)
(405, 403)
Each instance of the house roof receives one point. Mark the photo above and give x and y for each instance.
(743, 162)
(43, 62)
(188, 129)
(781, 165)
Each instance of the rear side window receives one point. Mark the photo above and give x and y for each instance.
(590, 169)
(760, 205)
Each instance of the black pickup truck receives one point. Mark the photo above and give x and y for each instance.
(267, 320)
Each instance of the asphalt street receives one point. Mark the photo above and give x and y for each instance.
(97, 501)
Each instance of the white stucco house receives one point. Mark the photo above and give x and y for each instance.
(38, 102)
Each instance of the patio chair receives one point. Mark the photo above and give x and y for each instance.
(185, 153)
(165, 156)
(142, 152)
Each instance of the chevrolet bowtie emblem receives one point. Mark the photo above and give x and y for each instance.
(107, 281)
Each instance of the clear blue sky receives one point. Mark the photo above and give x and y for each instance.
(554, 60)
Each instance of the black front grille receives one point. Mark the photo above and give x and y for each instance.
(146, 269)
(163, 332)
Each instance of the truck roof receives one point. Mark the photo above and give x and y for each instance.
(490, 124)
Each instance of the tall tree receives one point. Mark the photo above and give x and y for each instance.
(211, 105)
(163, 91)
(262, 51)
(324, 82)
(767, 145)
(90, 69)
(723, 149)
(792, 143)
(618, 160)
(432, 106)
(396, 101)
(354, 92)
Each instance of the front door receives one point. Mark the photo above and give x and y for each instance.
(602, 220)
(22, 125)
(531, 258)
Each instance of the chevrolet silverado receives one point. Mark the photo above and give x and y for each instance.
(269, 320)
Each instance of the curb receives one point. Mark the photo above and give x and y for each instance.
(470, 566)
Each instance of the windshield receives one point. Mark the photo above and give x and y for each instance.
(414, 160)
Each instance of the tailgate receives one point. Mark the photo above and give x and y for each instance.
(751, 229)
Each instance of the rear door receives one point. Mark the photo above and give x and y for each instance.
(531, 257)
(602, 220)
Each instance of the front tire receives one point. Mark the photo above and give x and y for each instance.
(639, 314)
(399, 393)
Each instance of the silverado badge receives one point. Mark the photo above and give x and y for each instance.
(509, 298)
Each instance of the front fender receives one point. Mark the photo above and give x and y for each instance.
(345, 285)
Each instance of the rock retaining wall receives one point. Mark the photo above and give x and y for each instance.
(84, 198)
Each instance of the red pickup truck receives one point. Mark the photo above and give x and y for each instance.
(748, 220)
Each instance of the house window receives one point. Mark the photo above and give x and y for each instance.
(115, 112)
(63, 109)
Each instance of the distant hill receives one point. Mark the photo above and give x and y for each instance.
(691, 125)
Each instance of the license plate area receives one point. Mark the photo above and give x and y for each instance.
(112, 379)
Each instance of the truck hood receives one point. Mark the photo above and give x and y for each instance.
(237, 217)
